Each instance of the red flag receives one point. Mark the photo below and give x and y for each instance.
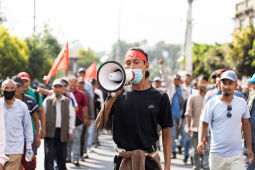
(60, 63)
(91, 72)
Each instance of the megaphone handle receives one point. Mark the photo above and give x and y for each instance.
(113, 94)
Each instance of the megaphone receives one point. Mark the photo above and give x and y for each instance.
(111, 76)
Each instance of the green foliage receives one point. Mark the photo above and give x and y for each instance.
(208, 58)
(13, 54)
(242, 54)
(44, 47)
(87, 57)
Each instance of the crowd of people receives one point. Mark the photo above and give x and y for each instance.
(69, 114)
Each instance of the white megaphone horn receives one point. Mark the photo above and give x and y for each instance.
(111, 76)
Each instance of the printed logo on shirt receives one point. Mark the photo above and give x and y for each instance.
(151, 106)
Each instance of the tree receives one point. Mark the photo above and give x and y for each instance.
(44, 48)
(242, 54)
(14, 54)
(87, 57)
(39, 63)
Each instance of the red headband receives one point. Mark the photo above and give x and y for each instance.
(135, 54)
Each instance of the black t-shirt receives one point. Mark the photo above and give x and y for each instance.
(136, 115)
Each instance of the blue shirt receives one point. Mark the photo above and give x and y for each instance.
(18, 126)
(226, 138)
(88, 87)
(176, 108)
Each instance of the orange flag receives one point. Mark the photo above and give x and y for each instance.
(60, 63)
(91, 72)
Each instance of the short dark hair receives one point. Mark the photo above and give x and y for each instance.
(140, 50)
(177, 75)
(203, 77)
(147, 74)
(188, 75)
(220, 71)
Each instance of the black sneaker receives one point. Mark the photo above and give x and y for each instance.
(68, 161)
(185, 160)
(173, 155)
(76, 163)
(85, 156)
(180, 150)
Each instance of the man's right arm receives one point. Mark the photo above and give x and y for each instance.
(202, 137)
(104, 114)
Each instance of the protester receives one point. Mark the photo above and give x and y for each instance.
(3, 157)
(87, 131)
(137, 110)
(60, 125)
(81, 119)
(81, 73)
(98, 104)
(218, 91)
(193, 112)
(177, 97)
(33, 109)
(18, 126)
(251, 106)
(187, 84)
(225, 115)
(37, 97)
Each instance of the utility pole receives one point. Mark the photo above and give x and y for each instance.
(117, 57)
(188, 41)
(34, 16)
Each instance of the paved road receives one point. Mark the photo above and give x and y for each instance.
(101, 158)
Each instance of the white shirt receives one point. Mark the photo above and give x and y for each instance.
(58, 113)
(101, 98)
(3, 157)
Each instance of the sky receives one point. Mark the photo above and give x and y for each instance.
(94, 23)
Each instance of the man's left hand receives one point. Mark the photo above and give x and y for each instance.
(43, 133)
(38, 141)
(250, 155)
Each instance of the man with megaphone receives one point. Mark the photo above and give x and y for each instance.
(137, 110)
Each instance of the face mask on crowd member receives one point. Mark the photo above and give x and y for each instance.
(9, 88)
(137, 61)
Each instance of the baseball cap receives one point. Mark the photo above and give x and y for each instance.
(81, 70)
(17, 80)
(252, 79)
(157, 79)
(57, 82)
(24, 76)
(230, 75)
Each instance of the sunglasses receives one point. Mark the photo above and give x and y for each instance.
(229, 108)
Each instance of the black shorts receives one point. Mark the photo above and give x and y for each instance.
(150, 164)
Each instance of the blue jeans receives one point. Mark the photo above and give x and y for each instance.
(247, 165)
(91, 132)
(187, 140)
(176, 121)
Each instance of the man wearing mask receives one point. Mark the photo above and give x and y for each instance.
(3, 157)
(60, 125)
(37, 97)
(136, 110)
(18, 126)
(33, 108)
